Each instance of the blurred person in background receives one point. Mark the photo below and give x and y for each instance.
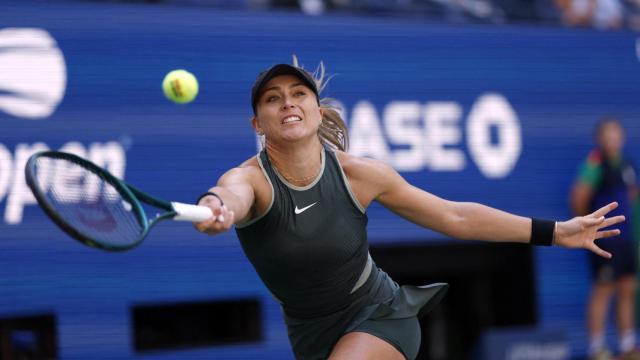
(600, 14)
(605, 176)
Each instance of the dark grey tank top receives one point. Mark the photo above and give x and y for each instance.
(310, 246)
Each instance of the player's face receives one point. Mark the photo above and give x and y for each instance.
(287, 110)
(611, 138)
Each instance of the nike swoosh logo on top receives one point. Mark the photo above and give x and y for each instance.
(300, 211)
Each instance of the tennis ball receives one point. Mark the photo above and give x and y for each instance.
(180, 86)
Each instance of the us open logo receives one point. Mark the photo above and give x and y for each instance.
(33, 74)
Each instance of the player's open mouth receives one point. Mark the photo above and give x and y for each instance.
(290, 119)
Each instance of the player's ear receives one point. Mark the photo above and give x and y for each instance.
(256, 125)
(322, 110)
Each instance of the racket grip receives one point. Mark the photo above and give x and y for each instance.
(192, 213)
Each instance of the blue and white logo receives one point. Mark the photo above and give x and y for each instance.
(33, 75)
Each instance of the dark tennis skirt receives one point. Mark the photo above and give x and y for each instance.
(375, 311)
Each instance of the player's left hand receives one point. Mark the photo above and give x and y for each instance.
(582, 231)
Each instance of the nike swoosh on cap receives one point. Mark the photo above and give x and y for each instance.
(300, 211)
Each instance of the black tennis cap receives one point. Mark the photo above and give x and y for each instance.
(277, 70)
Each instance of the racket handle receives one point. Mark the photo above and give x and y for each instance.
(192, 213)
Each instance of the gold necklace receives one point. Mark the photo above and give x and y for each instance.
(291, 179)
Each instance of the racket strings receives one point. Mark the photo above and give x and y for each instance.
(88, 202)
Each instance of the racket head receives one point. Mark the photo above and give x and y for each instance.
(87, 202)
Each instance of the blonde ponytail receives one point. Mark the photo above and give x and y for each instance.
(333, 130)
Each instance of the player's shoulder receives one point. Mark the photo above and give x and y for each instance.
(356, 163)
(251, 164)
(247, 170)
(362, 167)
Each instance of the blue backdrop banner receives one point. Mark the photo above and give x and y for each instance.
(497, 115)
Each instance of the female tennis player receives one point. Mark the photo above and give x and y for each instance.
(299, 211)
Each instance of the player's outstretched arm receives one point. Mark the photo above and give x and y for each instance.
(467, 220)
(233, 203)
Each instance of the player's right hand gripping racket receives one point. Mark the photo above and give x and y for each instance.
(95, 207)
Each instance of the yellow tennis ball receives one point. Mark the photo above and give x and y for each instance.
(180, 86)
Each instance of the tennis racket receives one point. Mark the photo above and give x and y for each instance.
(93, 206)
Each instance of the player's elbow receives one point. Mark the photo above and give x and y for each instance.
(456, 220)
